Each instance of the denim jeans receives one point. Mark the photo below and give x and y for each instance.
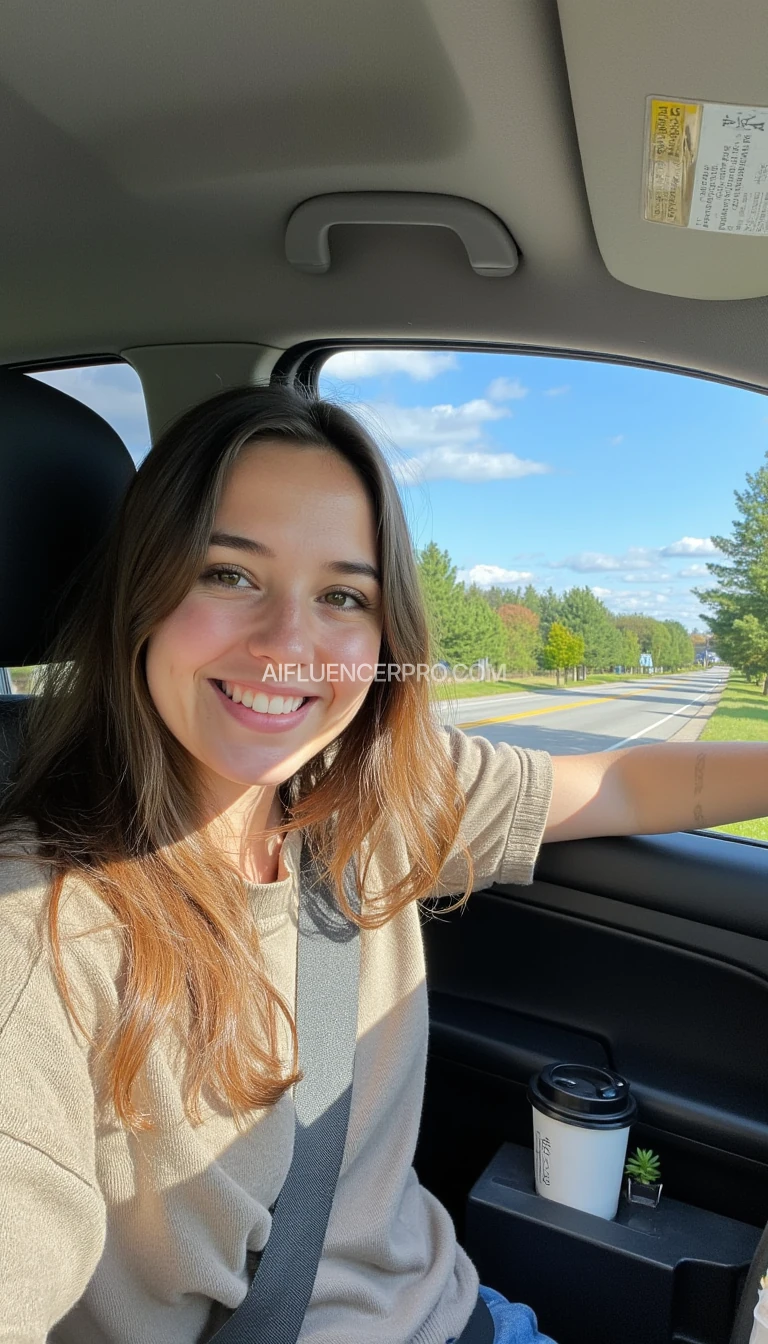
(514, 1323)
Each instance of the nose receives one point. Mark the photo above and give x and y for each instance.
(280, 632)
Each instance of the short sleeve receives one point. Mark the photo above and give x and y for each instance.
(508, 791)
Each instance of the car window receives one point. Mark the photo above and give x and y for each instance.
(114, 391)
(568, 517)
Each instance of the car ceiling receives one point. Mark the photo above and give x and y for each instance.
(153, 153)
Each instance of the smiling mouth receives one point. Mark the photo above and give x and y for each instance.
(260, 702)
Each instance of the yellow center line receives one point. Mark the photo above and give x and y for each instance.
(553, 709)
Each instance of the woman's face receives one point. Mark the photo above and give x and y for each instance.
(288, 596)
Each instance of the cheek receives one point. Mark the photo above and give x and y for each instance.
(191, 634)
(358, 648)
(185, 641)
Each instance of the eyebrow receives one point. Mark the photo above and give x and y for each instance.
(229, 539)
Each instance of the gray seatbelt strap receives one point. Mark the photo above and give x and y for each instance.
(744, 1322)
(328, 971)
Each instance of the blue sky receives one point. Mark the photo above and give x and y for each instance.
(528, 468)
(567, 471)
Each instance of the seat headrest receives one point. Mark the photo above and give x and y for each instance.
(63, 474)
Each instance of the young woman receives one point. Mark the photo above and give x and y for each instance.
(216, 703)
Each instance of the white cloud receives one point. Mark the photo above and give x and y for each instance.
(648, 576)
(557, 391)
(506, 389)
(691, 546)
(463, 464)
(420, 365)
(485, 575)
(664, 606)
(420, 427)
(643, 559)
(448, 442)
(616, 440)
(589, 562)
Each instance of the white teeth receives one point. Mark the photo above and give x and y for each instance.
(261, 703)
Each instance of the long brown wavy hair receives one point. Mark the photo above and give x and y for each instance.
(115, 798)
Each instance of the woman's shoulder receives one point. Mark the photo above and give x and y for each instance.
(507, 792)
(24, 886)
(86, 927)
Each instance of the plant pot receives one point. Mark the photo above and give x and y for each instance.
(640, 1192)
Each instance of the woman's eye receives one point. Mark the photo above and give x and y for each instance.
(234, 581)
(353, 597)
(224, 578)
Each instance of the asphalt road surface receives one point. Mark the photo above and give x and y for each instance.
(575, 719)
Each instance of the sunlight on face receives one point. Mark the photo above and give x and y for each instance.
(273, 618)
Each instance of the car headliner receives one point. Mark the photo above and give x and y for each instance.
(152, 155)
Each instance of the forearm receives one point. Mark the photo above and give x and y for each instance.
(691, 785)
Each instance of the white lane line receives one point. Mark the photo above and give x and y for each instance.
(657, 724)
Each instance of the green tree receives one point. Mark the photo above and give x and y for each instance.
(747, 643)
(497, 597)
(642, 627)
(463, 627)
(563, 649)
(661, 647)
(442, 596)
(586, 615)
(740, 587)
(681, 653)
(630, 649)
(523, 638)
(548, 608)
(479, 633)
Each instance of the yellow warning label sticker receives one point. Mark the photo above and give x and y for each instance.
(706, 166)
(673, 137)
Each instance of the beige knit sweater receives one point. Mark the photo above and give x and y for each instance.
(106, 1238)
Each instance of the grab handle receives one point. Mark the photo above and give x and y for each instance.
(490, 248)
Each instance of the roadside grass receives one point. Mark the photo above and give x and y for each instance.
(741, 716)
(465, 690)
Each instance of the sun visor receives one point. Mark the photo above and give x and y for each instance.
(671, 109)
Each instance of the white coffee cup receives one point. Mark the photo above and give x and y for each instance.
(581, 1120)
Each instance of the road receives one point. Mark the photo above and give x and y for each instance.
(573, 720)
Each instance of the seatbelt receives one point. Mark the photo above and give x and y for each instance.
(328, 969)
(327, 991)
(744, 1324)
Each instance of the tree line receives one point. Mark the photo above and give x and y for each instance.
(738, 598)
(525, 630)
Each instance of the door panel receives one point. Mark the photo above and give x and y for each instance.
(665, 980)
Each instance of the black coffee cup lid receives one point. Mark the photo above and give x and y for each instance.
(581, 1094)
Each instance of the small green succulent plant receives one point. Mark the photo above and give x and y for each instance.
(644, 1166)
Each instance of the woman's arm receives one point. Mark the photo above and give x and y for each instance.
(667, 787)
(52, 1212)
(52, 1226)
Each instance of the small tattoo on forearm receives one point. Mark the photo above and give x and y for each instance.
(698, 785)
